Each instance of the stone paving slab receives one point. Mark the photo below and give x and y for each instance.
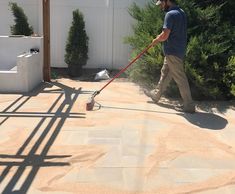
(50, 144)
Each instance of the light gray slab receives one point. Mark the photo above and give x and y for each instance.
(104, 141)
(108, 133)
(193, 161)
(112, 158)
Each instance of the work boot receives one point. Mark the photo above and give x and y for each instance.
(187, 109)
(153, 94)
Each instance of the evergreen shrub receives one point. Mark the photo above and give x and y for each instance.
(21, 26)
(210, 54)
(76, 55)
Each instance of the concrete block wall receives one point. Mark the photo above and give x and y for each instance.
(11, 47)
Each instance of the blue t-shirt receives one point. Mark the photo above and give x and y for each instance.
(176, 21)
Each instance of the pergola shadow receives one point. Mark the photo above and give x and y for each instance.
(49, 131)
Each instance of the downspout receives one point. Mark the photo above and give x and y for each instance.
(112, 35)
(46, 41)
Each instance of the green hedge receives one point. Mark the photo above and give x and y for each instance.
(210, 64)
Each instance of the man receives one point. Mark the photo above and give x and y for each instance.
(174, 38)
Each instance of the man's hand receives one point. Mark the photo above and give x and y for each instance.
(162, 37)
(155, 41)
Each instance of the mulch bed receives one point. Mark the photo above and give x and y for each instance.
(87, 74)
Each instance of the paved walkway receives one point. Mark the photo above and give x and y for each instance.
(50, 144)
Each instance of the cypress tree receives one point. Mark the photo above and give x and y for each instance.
(77, 45)
(21, 26)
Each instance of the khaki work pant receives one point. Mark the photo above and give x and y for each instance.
(173, 68)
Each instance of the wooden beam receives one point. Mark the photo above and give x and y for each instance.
(46, 41)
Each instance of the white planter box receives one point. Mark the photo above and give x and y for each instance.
(20, 70)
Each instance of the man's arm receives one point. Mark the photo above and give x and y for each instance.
(163, 36)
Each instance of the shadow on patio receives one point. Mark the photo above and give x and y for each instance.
(49, 132)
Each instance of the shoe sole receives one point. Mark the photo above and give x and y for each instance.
(150, 96)
(184, 111)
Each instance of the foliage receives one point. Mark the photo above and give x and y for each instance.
(21, 26)
(77, 44)
(210, 52)
(210, 47)
(148, 19)
(231, 70)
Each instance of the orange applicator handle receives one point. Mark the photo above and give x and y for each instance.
(90, 103)
(125, 68)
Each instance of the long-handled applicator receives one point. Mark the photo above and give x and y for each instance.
(91, 101)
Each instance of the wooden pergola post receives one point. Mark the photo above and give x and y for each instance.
(46, 41)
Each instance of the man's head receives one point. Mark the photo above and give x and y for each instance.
(165, 4)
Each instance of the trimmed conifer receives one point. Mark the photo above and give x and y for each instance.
(21, 26)
(76, 55)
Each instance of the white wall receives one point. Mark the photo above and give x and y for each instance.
(11, 47)
(107, 23)
(20, 72)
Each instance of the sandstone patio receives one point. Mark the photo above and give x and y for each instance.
(50, 144)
